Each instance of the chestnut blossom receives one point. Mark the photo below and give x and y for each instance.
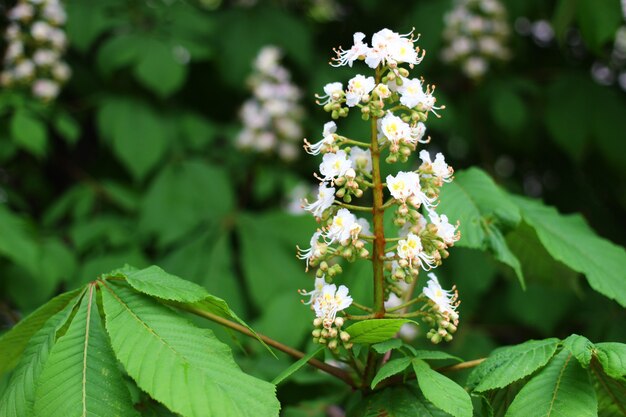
(405, 186)
(318, 286)
(325, 199)
(343, 228)
(411, 93)
(439, 167)
(394, 129)
(314, 149)
(330, 302)
(361, 159)
(334, 92)
(334, 165)
(315, 251)
(412, 250)
(359, 49)
(446, 301)
(446, 231)
(358, 88)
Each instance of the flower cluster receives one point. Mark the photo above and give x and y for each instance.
(443, 306)
(476, 34)
(272, 117)
(35, 46)
(397, 106)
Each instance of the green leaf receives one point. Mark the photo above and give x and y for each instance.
(441, 391)
(611, 393)
(598, 21)
(17, 241)
(173, 205)
(137, 133)
(403, 401)
(509, 364)
(29, 132)
(393, 367)
(118, 52)
(580, 347)
(387, 345)
(612, 357)
(508, 109)
(13, 342)
(482, 208)
(158, 69)
(81, 376)
(562, 388)
(184, 367)
(295, 367)
(86, 21)
(67, 126)
(434, 355)
(18, 399)
(570, 240)
(155, 282)
(374, 331)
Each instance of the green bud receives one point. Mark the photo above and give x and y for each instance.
(341, 192)
(347, 198)
(332, 345)
(327, 107)
(316, 333)
(436, 338)
(335, 115)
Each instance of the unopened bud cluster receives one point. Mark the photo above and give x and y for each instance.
(35, 46)
(400, 105)
(272, 118)
(443, 318)
(331, 334)
(476, 34)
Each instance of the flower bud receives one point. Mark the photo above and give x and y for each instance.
(316, 333)
(339, 321)
(344, 336)
(321, 341)
(358, 193)
(324, 266)
(317, 322)
(434, 339)
(332, 333)
(348, 345)
(325, 333)
(332, 345)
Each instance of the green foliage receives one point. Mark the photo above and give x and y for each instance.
(393, 367)
(374, 331)
(296, 366)
(29, 132)
(509, 364)
(563, 388)
(442, 391)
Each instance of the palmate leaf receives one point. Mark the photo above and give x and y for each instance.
(393, 367)
(404, 401)
(611, 393)
(509, 364)
(155, 282)
(570, 240)
(442, 391)
(184, 367)
(561, 389)
(13, 343)
(18, 399)
(81, 377)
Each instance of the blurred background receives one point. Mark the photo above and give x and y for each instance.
(169, 132)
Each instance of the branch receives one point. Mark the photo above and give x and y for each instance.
(329, 369)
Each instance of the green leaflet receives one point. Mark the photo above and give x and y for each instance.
(295, 367)
(184, 367)
(477, 202)
(404, 401)
(562, 388)
(13, 343)
(81, 376)
(155, 282)
(509, 364)
(393, 367)
(612, 357)
(19, 397)
(581, 348)
(374, 331)
(611, 393)
(570, 240)
(442, 391)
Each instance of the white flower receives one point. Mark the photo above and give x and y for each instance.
(45, 57)
(365, 226)
(411, 93)
(446, 231)
(444, 300)
(403, 51)
(54, 13)
(475, 67)
(253, 115)
(412, 250)
(394, 129)
(382, 91)
(14, 50)
(379, 52)
(334, 165)
(440, 168)
(361, 159)
(45, 89)
(343, 228)
(334, 92)
(331, 302)
(417, 133)
(358, 88)
(314, 149)
(325, 199)
(267, 59)
(317, 290)
(315, 251)
(23, 11)
(24, 69)
(58, 38)
(41, 31)
(357, 50)
(403, 185)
